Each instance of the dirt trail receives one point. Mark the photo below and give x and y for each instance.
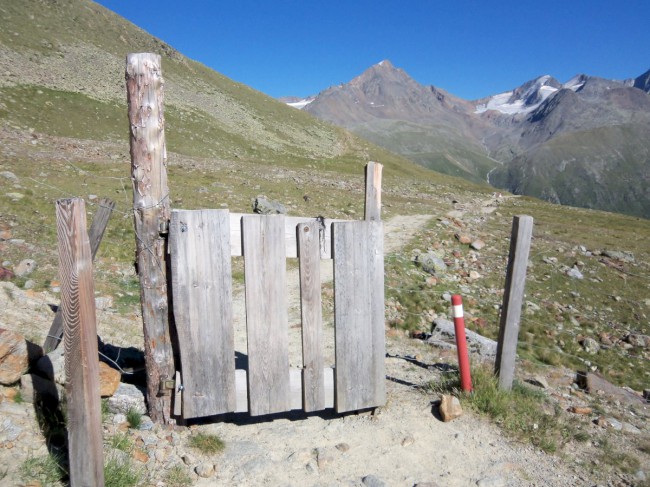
(404, 443)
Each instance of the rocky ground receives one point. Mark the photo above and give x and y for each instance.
(403, 443)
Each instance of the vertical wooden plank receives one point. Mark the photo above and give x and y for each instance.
(95, 234)
(372, 207)
(513, 297)
(144, 86)
(359, 315)
(202, 290)
(81, 357)
(313, 378)
(267, 321)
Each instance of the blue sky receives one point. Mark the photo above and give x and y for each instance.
(471, 48)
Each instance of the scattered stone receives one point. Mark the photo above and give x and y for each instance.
(538, 381)
(450, 408)
(623, 256)
(594, 384)
(630, 428)
(575, 273)
(590, 345)
(146, 424)
(343, 447)
(473, 275)
(140, 455)
(431, 263)
(427, 484)
(103, 302)
(15, 196)
(29, 284)
(265, 206)
(126, 397)
(119, 418)
(188, 459)
(477, 244)
(16, 354)
(408, 440)
(25, 267)
(463, 239)
(204, 470)
(372, 481)
(109, 380)
(585, 411)
(324, 458)
(442, 327)
(9, 175)
(642, 341)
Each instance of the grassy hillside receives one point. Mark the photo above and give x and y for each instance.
(63, 132)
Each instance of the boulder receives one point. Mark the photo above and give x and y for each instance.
(16, 354)
(34, 388)
(109, 380)
(25, 267)
(431, 263)
(127, 397)
(265, 206)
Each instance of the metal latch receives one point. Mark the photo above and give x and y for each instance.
(166, 387)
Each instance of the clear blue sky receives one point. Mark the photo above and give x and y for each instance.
(471, 48)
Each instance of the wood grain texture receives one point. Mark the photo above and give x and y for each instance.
(513, 297)
(144, 86)
(372, 208)
(313, 380)
(359, 315)
(266, 313)
(289, 234)
(202, 291)
(95, 233)
(81, 356)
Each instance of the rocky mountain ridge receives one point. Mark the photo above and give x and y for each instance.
(524, 138)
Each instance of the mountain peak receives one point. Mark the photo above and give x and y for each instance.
(385, 64)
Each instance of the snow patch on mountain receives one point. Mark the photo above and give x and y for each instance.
(300, 104)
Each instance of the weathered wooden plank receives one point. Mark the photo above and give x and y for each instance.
(289, 234)
(81, 357)
(359, 315)
(513, 298)
(267, 321)
(202, 290)
(372, 207)
(295, 384)
(144, 86)
(95, 234)
(313, 386)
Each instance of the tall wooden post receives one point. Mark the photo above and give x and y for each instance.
(513, 298)
(144, 84)
(372, 207)
(81, 357)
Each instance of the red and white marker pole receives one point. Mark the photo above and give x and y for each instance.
(461, 343)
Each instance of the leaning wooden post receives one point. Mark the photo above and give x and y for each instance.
(151, 209)
(372, 208)
(95, 234)
(81, 357)
(513, 297)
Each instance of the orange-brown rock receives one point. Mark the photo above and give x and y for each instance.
(109, 380)
(15, 355)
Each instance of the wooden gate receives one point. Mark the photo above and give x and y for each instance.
(202, 243)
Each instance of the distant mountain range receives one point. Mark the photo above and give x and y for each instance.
(585, 142)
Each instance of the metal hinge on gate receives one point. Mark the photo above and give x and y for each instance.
(166, 387)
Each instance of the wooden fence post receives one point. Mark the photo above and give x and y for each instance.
(372, 208)
(513, 297)
(81, 357)
(95, 234)
(151, 209)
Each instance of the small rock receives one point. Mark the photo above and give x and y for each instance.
(427, 484)
(431, 263)
(450, 408)
(538, 381)
(477, 244)
(581, 410)
(619, 255)
(265, 206)
(15, 196)
(408, 440)
(9, 175)
(140, 455)
(204, 470)
(590, 345)
(630, 428)
(463, 239)
(343, 447)
(324, 458)
(126, 397)
(103, 302)
(109, 380)
(575, 273)
(25, 267)
(473, 275)
(119, 418)
(188, 459)
(146, 424)
(16, 354)
(642, 341)
(372, 481)
(29, 284)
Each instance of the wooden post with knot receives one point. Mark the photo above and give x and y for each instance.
(151, 210)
